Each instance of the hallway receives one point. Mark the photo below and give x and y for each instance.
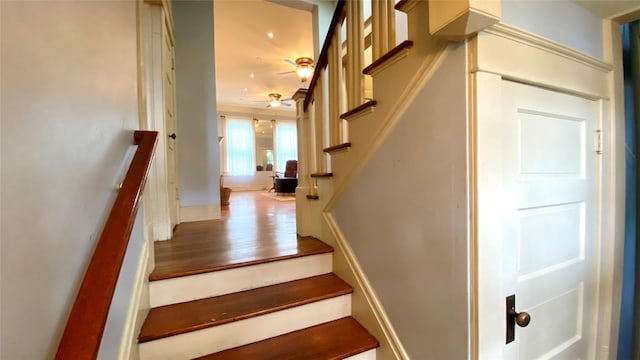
(254, 229)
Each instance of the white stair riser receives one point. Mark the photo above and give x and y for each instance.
(367, 355)
(222, 337)
(187, 288)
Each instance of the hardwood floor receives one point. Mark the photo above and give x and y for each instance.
(253, 229)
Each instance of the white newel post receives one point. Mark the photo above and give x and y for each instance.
(304, 138)
(318, 119)
(306, 162)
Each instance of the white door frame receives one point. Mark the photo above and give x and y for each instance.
(153, 19)
(540, 62)
(612, 293)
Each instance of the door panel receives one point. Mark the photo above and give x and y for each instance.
(548, 222)
(546, 239)
(548, 136)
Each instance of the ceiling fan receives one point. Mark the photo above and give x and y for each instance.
(276, 100)
(304, 68)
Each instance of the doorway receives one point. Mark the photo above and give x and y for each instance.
(629, 343)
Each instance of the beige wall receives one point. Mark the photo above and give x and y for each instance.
(68, 110)
(198, 151)
(405, 219)
(563, 21)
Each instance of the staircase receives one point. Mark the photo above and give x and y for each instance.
(296, 307)
(279, 307)
(366, 97)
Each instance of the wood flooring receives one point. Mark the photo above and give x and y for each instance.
(253, 229)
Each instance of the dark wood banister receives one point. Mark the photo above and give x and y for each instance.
(83, 332)
(323, 60)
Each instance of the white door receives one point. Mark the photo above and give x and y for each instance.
(168, 72)
(549, 224)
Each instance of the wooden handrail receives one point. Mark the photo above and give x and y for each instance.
(323, 60)
(83, 332)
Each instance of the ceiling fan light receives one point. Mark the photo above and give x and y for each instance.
(304, 68)
(305, 72)
(274, 102)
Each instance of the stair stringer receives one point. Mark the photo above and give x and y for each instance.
(369, 132)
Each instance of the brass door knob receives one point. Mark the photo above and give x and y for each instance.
(514, 318)
(523, 319)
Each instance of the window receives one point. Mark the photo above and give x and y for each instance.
(286, 143)
(240, 147)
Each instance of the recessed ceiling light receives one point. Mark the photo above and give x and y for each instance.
(270, 35)
(251, 76)
(245, 89)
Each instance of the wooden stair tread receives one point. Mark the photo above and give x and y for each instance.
(180, 318)
(332, 340)
(321, 175)
(219, 255)
(390, 54)
(337, 147)
(357, 109)
(400, 4)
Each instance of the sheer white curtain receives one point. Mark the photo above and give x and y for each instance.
(240, 140)
(286, 143)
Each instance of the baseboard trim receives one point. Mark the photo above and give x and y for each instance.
(199, 213)
(250, 187)
(135, 312)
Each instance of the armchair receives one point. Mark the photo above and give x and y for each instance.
(287, 182)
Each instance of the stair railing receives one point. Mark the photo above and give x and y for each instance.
(338, 84)
(85, 326)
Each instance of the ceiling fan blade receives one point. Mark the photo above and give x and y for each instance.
(289, 61)
(286, 104)
(287, 99)
(285, 73)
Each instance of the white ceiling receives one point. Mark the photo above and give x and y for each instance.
(243, 48)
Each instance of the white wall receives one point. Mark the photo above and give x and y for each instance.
(198, 153)
(321, 16)
(405, 219)
(561, 20)
(68, 109)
